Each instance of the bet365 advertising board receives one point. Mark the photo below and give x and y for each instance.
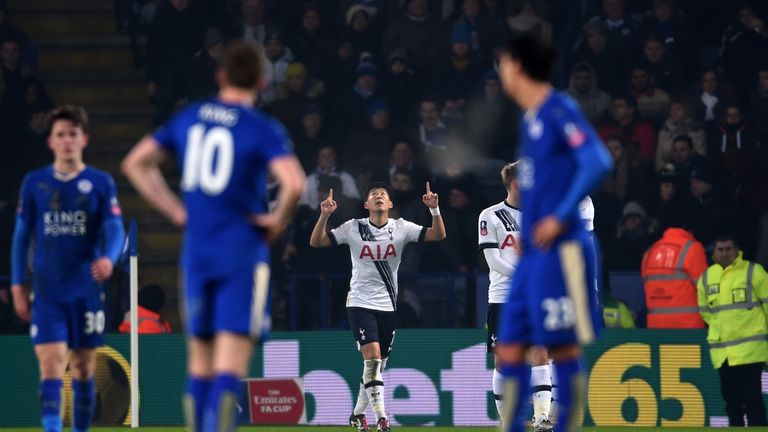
(433, 377)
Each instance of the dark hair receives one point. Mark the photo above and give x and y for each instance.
(616, 137)
(72, 113)
(582, 67)
(536, 57)
(685, 138)
(243, 65)
(653, 37)
(403, 171)
(152, 297)
(432, 98)
(627, 98)
(641, 67)
(726, 238)
(378, 185)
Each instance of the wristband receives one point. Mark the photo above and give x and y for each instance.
(435, 211)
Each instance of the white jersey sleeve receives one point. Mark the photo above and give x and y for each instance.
(413, 232)
(486, 232)
(341, 234)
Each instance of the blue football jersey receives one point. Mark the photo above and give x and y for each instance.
(224, 151)
(562, 159)
(66, 216)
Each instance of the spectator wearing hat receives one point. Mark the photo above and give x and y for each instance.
(367, 146)
(312, 44)
(630, 177)
(635, 234)
(665, 201)
(401, 86)
(326, 166)
(202, 71)
(176, 34)
(298, 91)
(652, 102)
(594, 102)
(278, 57)
(609, 66)
(708, 209)
(626, 124)
(416, 30)
(359, 22)
(455, 76)
(484, 30)
(680, 122)
(352, 105)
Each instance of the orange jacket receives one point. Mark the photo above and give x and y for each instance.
(670, 269)
(149, 323)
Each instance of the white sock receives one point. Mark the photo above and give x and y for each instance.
(374, 386)
(498, 391)
(362, 401)
(553, 408)
(541, 382)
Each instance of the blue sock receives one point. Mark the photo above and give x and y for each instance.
(195, 400)
(50, 405)
(84, 404)
(221, 411)
(571, 391)
(517, 396)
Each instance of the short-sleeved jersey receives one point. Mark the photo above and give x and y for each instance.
(66, 215)
(224, 151)
(587, 213)
(375, 253)
(499, 228)
(548, 164)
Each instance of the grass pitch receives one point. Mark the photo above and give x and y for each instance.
(395, 429)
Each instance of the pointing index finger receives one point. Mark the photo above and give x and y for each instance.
(330, 194)
(428, 191)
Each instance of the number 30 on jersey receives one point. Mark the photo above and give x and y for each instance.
(208, 160)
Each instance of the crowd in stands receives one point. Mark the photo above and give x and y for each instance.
(407, 91)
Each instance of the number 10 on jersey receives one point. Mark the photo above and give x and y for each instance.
(208, 160)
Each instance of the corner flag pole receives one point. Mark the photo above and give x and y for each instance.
(134, 312)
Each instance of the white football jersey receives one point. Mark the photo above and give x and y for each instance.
(499, 228)
(587, 213)
(375, 253)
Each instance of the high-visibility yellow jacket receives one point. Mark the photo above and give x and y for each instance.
(617, 315)
(734, 302)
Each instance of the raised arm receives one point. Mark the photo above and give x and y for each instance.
(320, 236)
(142, 167)
(437, 231)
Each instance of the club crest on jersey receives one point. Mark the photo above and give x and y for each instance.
(535, 129)
(376, 253)
(483, 228)
(84, 186)
(575, 136)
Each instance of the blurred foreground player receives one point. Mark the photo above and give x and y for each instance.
(71, 211)
(227, 148)
(552, 299)
(498, 238)
(376, 244)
